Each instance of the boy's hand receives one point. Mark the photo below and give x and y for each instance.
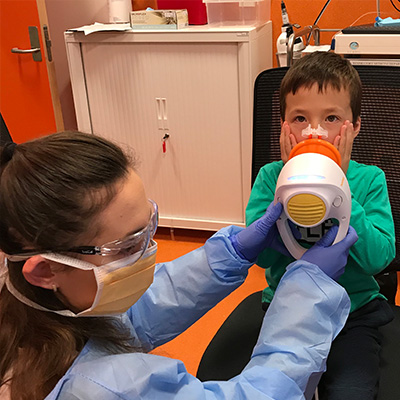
(287, 142)
(344, 143)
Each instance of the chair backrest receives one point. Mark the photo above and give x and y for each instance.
(378, 142)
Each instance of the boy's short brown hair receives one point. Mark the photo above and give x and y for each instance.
(325, 69)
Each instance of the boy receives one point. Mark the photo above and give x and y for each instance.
(325, 89)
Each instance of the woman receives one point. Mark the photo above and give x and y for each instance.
(77, 233)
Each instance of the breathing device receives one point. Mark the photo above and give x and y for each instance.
(312, 188)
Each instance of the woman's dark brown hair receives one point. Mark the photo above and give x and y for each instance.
(51, 190)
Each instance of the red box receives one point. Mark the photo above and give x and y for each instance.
(197, 11)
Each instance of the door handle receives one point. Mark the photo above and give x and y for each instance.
(24, 51)
(35, 45)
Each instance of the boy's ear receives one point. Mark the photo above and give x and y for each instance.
(37, 271)
(357, 126)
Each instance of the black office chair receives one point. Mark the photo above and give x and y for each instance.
(378, 143)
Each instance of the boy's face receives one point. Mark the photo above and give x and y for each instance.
(329, 108)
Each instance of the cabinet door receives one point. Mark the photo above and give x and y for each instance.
(198, 178)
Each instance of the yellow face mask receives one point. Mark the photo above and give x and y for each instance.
(119, 284)
(120, 287)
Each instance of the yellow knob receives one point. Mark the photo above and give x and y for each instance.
(306, 209)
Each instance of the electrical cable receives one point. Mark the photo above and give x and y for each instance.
(367, 13)
(395, 5)
(318, 18)
(321, 12)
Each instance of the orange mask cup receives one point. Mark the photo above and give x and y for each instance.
(317, 146)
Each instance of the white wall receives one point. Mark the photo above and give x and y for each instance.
(62, 15)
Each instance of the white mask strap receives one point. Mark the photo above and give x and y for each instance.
(3, 270)
(72, 262)
(4, 280)
(314, 133)
(19, 296)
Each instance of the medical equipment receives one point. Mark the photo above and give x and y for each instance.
(312, 188)
(282, 41)
(370, 43)
(375, 43)
(319, 133)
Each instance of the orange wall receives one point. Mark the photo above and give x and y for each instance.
(338, 15)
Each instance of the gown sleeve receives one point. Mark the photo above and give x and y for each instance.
(186, 288)
(307, 312)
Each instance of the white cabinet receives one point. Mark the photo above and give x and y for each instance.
(194, 84)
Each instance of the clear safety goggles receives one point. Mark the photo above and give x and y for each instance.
(135, 243)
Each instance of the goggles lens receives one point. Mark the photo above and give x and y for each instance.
(136, 243)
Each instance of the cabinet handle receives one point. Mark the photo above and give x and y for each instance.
(162, 117)
(159, 113)
(165, 115)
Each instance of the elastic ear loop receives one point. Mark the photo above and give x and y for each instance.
(23, 299)
(3, 271)
(70, 261)
(56, 258)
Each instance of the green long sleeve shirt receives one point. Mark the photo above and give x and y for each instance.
(371, 217)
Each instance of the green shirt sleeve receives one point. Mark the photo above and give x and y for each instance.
(371, 217)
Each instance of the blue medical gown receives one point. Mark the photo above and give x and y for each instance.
(306, 314)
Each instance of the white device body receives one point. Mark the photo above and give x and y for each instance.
(281, 47)
(317, 178)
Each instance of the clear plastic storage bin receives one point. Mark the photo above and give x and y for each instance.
(238, 12)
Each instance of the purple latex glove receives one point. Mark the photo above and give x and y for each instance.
(263, 233)
(331, 259)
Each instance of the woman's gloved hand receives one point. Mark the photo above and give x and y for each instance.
(331, 259)
(261, 234)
